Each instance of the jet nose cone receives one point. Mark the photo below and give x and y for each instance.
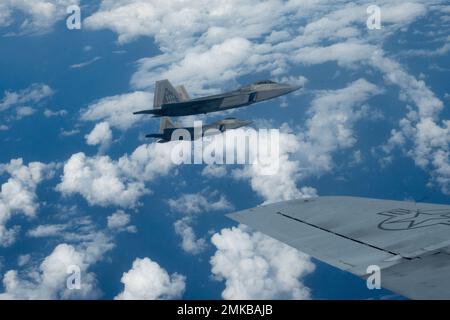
(293, 88)
(242, 123)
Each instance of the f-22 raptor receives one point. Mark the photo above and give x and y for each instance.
(168, 129)
(174, 102)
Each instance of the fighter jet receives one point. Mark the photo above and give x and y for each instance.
(167, 128)
(170, 101)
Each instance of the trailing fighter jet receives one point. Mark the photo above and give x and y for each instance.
(170, 101)
(167, 128)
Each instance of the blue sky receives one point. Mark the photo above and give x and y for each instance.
(371, 121)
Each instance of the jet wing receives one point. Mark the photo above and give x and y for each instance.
(409, 242)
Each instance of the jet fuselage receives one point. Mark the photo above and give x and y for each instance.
(247, 95)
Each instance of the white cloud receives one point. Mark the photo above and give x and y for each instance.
(47, 230)
(175, 25)
(429, 135)
(221, 63)
(120, 221)
(118, 110)
(215, 171)
(345, 53)
(22, 112)
(40, 15)
(34, 94)
(83, 246)
(413, 90)
(191, 205)
(22, 260)
(106, 182)
(146, 280)
(101, 135)
(48, 281)
(204, 201)
(189, 241)
(255, 266)
(84, 64)
(283, 184)
(59, 113)
(18, 194)
(403, 13)
(68, 133)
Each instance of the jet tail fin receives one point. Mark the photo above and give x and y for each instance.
(183, 93)
(166, 123)
(165, 93)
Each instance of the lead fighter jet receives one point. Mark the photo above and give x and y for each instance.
(170, 101)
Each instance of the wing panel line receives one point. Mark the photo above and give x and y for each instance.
(340, 235)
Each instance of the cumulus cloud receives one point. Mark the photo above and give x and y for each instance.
(282, 184)
(189, 241)
(106, 182)
(255, 266)
(83, 245)
(49, 280)
(221, 63)
(192, 203)
(118, 110)
(173, 25)
(146, 280)
(18, 193)
(120, 221)
(101, 135)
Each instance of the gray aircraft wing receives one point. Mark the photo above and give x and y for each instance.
(410, 242)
